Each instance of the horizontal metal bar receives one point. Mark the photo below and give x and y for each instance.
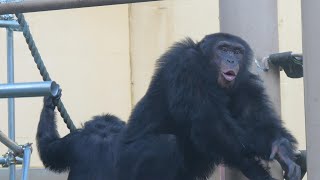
(19, 160)
(47, 5)
(10, 144)
(3, 160)
(9, 24)
(32, 89)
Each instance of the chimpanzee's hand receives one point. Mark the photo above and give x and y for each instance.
(280, 151)
(51, 101)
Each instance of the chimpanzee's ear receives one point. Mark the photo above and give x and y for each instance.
(203, 45)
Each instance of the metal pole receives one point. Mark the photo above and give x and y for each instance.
(26, 162)
(310, 45)
(19, 160)
(3, 160)
(10, 144)
(32, 89)
(9, 24)
(47, 5)
(11, 107)
(257, 23)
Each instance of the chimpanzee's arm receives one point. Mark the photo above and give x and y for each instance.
(270, 138)
(55, 152)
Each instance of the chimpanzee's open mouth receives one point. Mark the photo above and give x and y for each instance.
(229, 75)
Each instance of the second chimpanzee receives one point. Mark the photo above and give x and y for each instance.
(87, 153)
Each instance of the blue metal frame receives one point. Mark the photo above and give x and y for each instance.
(30, 89)
(11, 104)
(11, 90)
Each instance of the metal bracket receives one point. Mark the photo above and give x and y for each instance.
(9, 158)
(28, 145)
(292, 64)
(263, 63)
(11, 23)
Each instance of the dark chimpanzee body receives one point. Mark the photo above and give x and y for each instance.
(202, 108)
(85, 151)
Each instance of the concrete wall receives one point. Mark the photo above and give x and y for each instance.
(104, 57)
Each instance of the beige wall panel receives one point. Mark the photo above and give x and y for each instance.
(195, 18)
(150, 34)
(292, 97)
(155, 26)
(87, 52)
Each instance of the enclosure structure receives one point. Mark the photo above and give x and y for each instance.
(18, 154)
(10, 91)
(258, 22)
(13, 90)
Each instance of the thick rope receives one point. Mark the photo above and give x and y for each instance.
(43, 71)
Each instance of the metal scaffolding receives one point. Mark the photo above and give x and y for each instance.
(16, 154)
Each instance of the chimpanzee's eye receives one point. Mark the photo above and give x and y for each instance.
(224, 48)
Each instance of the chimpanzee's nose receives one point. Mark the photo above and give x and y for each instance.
(230, 61)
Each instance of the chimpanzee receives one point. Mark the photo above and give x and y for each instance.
(203, 108)
(86, 152)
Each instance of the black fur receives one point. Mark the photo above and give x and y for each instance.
(183, 126)
(87, 153)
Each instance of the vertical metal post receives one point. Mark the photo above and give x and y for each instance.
(11, 105)
(257, 23)
(26, 162)
(222, 172)
(310, 45)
